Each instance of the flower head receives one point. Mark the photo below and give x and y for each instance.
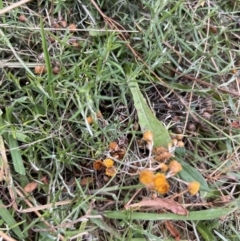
(113, 146)
(161, 184)
(161, 154)
(193, 187)
(89, 120)
(174, 167)
(98, 165)
(163, 167)
(111, 171)
(148, 138)
(146, 178)
(40, 69)
(108, 162)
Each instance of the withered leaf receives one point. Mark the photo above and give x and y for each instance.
(86, 181)
(160, 203)
(30, 187)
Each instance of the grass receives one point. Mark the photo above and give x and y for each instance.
(183, 55)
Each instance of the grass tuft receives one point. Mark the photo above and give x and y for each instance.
(64, 62)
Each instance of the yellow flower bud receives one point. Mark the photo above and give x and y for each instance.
(175, 167)
(193, 187)
(108, 162)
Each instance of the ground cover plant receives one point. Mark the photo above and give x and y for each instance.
(119, 120)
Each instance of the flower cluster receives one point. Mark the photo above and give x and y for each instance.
(157, 182)
(107, 164)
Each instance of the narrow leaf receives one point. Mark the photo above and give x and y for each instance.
(10, 221)
(45, 51)
(16, 155)
(193, 216)
(205, 232)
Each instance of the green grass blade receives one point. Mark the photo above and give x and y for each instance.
(205, 232)
(45, 51)
(193, 216)
(8, 43)
(101, 224)
(10, 221)
(16, 155)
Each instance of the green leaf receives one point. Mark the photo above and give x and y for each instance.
(10, 221)
(94, 32)
(45, 51)
(193, 216)
(101, 223)
(16, 155)
(190, 174)
(147, 120)
(205, 231)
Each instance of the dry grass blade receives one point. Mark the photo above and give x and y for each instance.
(14, 5)
(5, 173)
(6, 237)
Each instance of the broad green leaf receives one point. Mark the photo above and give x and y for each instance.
(193, 216)
(205, 232)
(10, 221)
(190, 174)
(147, 120)
(16, 155)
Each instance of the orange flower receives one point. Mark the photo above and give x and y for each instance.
(161, 154)
(40, 69)
(113, 146)
(174, 141)
(98, 165)
(163, 167)
(193, 187)
(108, 163)
(161, 184)
(89, 120)
(146, 178)
(174, 167)
(111, 171)
(148, 136)
(180, 144)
